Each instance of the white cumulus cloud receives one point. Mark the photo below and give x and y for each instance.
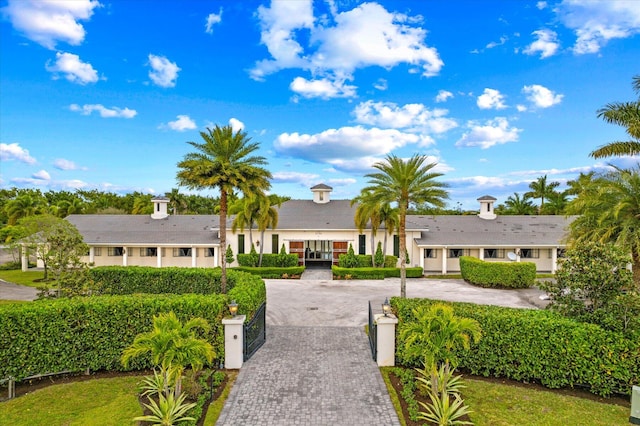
(72, 68)
(412, 117)
(491, 99)
(492, 132)
(443, 95)
(325, 88)
(546, 44)
(183, 122)
(13, 151)
(236, 124)
(163, 73)
(41, 175)
(541, 97)
(104, 112)
(213, 19)
(48, 22)
(63, 164)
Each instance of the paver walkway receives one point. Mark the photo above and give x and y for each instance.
(310, 376)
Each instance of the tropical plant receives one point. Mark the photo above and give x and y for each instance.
(349, 260)
(626, 114)
(405, 183)
(556, 203)
(23, 206)
(519, 205)
(172, 345)
(229, 255)
(442, 411)
(224, 161)
(378, 258)
(268, 218)
(160, 383)
(442, 381)
(542, 189)
(177, 201)
(168, 411)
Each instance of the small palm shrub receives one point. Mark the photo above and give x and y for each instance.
(168, 411)
(445, 409)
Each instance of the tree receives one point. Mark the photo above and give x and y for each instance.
(609, 212)
(268, 218)
(229, 255)
(405, 183)
(23, 206)
(519, 205)
(224, 161)
(177, 201)
(172, 345)
(367, 212)
(556, 203)
(626, 114)
(541, 189)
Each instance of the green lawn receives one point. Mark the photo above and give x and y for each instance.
(92, 402)
(23, 278)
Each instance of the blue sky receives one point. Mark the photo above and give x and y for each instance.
(106, 94)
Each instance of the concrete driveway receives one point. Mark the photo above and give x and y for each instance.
(10, 291)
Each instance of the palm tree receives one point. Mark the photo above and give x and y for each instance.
(610, 213)
(224, 161)
(625, 114)
(556, 204)
(142, 204)
(582, 183)
(541, 189)
(389, 218)
(245, 211)
(22, 206)
(177, 200)
(516, 205)
(172, 345)
(268, 218)
(405, 183)
(367, 211)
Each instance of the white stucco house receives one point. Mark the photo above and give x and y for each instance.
(319, 230)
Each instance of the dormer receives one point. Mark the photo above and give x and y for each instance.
(486, 207)
(160, 208)
(321, 193)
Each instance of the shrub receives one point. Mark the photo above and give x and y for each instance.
(272, 272)
(379, 257)
(229, 255)
(375, 273)
(349, 260)
(540, 346)
(270, 260)
(497, 274)
(390, 261)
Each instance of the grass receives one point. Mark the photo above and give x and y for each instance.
(499, 404)
(216, 406)
(104, 402)
(28, 278)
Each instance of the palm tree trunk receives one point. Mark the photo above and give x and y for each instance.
(373, 250)
(403, 254)
(223, 239)
(261, 248)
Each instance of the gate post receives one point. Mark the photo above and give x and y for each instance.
(386, 339)
(234, 341)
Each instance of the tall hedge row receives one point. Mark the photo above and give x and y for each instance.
(497, 274)
(375, 273)
(268, 260)
(540, 346)
(75, 334)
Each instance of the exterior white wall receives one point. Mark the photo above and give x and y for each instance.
(133, 258)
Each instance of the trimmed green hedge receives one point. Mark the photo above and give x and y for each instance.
(268, 260)
(540, 346)
(75, 334)
(497, 274)
(272, 272)
(375, 273)
(364, 261)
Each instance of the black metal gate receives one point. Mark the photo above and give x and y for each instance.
(254, 332)
(373, 334)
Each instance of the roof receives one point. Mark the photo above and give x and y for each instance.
(520, 231)
(321, 186)
(307, 215)
(184, 230)
(487, 198)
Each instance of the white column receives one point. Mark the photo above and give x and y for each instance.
(24, 258)
(518, 254)
(386, 340)
(554, 259)
(444, 260)
(124, 256)
(159, 257)
(234, 342)
(216, 256)
(194, 257)
(481, 253)
(92, 254)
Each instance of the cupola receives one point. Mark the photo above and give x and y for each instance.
(160, 208)
(321, 193)
(486, 207)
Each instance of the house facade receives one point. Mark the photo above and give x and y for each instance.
(319, 230)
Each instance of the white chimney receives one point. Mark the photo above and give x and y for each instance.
(160, 208)
(486, 207)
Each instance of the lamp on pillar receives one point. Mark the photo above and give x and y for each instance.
(386, 307)
(233, 308)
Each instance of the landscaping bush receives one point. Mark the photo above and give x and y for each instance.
(273, 272)
(270, 260)
(540, 346)
(375, 273)
(497, 274)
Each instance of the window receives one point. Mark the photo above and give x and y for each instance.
(562, 253)
(362, 244)
(493, 253)
(396, 246)
(430, 253)
(209, 252)
(321, 196)
(115, 251)
(97, 251)
(529, 253)
(149, 251)
(456, 252)
(182, 252)
(240, 243)
(275, 244)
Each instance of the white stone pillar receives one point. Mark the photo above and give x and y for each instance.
(125, 261)
(386, 340)
(92, 254)
(234, 341)
(24, 258)
(159, 257)
(444, 260)
(481, 253)
(216, 256)
(554, 259)
(518, 254)
(194, 257)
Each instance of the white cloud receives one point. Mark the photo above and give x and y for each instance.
(307, 179)
(493, 44)
(443, 95)
(413, 117)
(491, 99)
(597, 22)
(324, 88)
(213, 19)
(236, 124)
(541, 5)
(493, 132)
(183, 122)
(376, 37)
(163, 73)
(63, 164)
(541, 97)
(332, 145)
(41, 175)
(104, 112)
(50, 22)
(521, 108)
(14, 151)
(381, 84)
(73, 68)
(547, 44)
